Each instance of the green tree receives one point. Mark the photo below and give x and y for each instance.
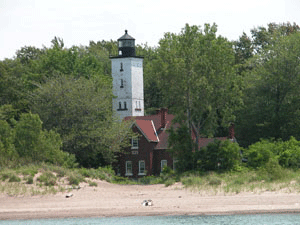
(12, 85)
(181, 147)
(7, 148)
(80, 111)
(33, 144)
(195, 73)
(264, 37)
(244, 49)
(272, 94)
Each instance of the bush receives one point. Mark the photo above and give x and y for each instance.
(150, 180)
(289, 153)
(122, 180)
(219, 155)
(214, 181)
(271, 171)
(259, 153)
(31, 171)
(87, 172)
(75, 178)
(48, 178)
(93, 184)
(14, 178)
(60, 171)
(29, 180)
(5, 175)
(169, 182)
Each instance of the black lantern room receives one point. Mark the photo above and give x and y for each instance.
(126, 45)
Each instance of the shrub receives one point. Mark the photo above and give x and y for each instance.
(29, 180)
(214, 181)
(271, 171)
(150, 180)
(5, 176)
(48, 178)
(87, 172)
(169, 182)
(29, 171)
(219, 155)
(60, 171)
(259, 153)
(122, 180)
(289, 153)
(75, 178)
(14, 178)
(93, 184)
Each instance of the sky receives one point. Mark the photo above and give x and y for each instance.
(77, 22)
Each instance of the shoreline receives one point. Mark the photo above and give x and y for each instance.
(93, 214)
(113, 200)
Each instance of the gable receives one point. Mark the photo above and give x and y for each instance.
(147, 129)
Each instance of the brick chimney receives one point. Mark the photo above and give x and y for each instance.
(231, 131)
(163, 114)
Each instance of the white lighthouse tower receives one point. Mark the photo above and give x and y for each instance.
(128, 85)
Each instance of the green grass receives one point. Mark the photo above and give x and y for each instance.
(53, 179)
(255, 181)
(92, 184)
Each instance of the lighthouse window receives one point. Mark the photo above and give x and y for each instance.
(121, 84)
(121, 69)
(120, 105)
(125, 107)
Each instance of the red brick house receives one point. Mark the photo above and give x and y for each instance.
(148, 153)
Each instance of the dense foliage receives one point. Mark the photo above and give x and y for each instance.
(55, 103)
(26, 142)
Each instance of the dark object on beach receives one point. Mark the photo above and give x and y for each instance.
(69, 195)
(147, 202)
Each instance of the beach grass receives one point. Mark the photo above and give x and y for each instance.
(50, 179)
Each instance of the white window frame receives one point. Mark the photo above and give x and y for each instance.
(134, 143)
(142, 169)
(128, 168)
(163, 163)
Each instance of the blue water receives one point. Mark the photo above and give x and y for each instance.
(255, 219)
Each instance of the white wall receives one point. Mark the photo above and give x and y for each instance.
(133, 86)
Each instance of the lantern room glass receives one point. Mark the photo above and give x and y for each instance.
(126, 43)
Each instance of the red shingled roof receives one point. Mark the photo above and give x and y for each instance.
(151, 128)
(205, 141)
(148, 129)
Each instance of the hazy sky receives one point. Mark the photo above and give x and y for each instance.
(36, 22)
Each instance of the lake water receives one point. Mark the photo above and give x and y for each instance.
(255, 219)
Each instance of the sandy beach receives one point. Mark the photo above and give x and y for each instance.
(107, 200)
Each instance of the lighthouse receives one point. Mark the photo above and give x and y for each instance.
(127, 74)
